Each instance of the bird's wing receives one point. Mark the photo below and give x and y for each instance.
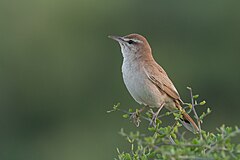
(159, 77)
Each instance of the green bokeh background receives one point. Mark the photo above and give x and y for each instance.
(60, 73)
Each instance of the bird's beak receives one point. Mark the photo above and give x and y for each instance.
(116, 38)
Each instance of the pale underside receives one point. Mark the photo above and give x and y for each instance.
(149, 84)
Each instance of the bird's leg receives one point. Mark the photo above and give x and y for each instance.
(155, 115)
(135, 116)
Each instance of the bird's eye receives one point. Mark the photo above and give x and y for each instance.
(130, 42)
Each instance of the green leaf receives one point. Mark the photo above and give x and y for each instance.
(196, 96)
(167, 113)
(174, 135)
(152, 129)
(118, 151)
(189, 88)
(154, 143)
(202, 103)
(190, 106)
(209, 110)
(125, 115)
(127, 157)
(237, 148)
(158, 121)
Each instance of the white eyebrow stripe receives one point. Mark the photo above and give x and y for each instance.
(135, 40)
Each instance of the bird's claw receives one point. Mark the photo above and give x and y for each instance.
(135, 118)
(153, 121)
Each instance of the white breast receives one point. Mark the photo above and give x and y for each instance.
(138, 85)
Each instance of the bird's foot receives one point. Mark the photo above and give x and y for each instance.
(153, 121)
(135, 117)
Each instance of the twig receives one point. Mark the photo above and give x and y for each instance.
(195, 113)
(169, 113)
(215, 145)
(144, 117)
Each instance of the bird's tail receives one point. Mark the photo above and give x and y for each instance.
(187, 121)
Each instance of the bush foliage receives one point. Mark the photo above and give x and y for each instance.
(171, 143)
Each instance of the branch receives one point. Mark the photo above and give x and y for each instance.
(195, 113)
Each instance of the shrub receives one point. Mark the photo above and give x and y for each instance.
(171, 143)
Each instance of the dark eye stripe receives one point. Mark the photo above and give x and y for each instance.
(130, 42)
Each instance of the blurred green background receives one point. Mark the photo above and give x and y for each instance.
(60, 73)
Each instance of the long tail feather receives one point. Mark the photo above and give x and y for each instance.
(187, 121)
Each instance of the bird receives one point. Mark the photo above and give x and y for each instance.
(147, 81)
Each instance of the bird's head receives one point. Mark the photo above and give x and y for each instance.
(133, 46)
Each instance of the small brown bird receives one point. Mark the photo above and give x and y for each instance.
(146, 81)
